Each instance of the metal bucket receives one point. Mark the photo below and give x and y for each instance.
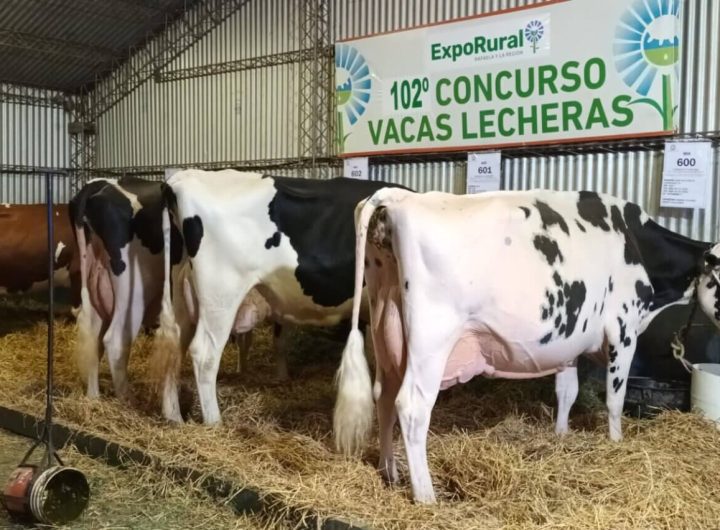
(705, 390)
(56, 495)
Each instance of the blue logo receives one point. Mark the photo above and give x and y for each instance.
(647, 51)
(534, 32)
(352, 93)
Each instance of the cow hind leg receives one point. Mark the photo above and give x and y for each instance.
(620, 354)
(211, 335)
(388, 384)
(88, 350)
(428, 351)
(566, 390)
(124, 327)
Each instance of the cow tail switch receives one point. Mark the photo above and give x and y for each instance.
(86, 352)
(166, 346)
(353, 413)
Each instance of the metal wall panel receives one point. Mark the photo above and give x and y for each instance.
(246, 115)
(33, 134)
(25, 188)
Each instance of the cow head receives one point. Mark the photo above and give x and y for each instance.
(709, 286)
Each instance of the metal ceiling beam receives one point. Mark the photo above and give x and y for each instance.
(251, 63)
(117, 9)
(58, 47)
(57, 101)
(205, 16)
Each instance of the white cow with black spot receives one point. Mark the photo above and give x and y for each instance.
(506, 284)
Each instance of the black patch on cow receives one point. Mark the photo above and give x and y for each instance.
(617, 383)
(546, 338)
(105, 211)
(317, 217)
(613, 369)
(575, 302)
(618, 223)
(632, 253)
(192, 233)
(624, 337)
(625, 307)
(548, 247)
(602, 307)
(570, 300)
(550, 217)
(407, 285)
(670, 259)
(610, 284)
(612, 353)
(557, 279)
(595, 308)
(580, 225)
(147, 222)
(585, 325)
(526, 211)
(592, 209)
(273, 241)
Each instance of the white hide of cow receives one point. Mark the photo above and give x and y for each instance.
(233, 258)
(114, 307)
(457, 286)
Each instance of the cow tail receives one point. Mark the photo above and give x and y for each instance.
(87, 354)
(166, 359)
(354, 404)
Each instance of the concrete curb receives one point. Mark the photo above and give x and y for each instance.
(243, 500)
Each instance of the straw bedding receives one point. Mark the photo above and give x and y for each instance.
(495, 460)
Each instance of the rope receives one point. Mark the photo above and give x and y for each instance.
(678, 343)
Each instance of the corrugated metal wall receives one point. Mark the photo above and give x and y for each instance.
(252, 115)
(246, 115)
(31, 136)
(29, 188)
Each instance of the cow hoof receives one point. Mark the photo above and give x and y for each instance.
(389, 476)
(175, 419)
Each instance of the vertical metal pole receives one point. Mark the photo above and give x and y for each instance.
(51, 308)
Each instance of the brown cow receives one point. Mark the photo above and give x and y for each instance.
(23, 250)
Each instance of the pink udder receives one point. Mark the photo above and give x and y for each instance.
(465, 362)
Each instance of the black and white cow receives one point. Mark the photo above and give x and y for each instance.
(292, 239)
(506, 284)
(118, 228)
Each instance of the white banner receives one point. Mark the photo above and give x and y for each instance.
(483, 172)
(686, 167)
(563, 70)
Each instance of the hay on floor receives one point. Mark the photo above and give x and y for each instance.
(494, 458)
